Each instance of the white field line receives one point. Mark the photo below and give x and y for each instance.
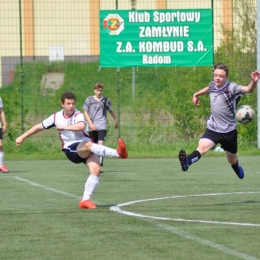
(205, 242)
(132, 214)
(48, 188)
(118, 209)
(174, 230)
(187, 235)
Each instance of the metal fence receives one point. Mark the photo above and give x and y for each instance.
(48, 47)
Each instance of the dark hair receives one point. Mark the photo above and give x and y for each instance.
(99, 85)
(221, 66)
(67, 95)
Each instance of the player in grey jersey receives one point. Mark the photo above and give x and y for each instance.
(221, 124)
(95, 111)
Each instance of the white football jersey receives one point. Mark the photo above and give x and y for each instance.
(67, 137)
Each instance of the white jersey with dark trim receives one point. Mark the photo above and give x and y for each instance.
(223, 103)
(67, 137)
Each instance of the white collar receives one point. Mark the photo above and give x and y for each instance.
(98, 98)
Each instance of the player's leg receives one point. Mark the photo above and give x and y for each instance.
(94, 136)
(101, 159)
(2, 166)
(230, 146)
(101, 140)
(233, 160)
(206, 143)
(85, 148)
(92, 182)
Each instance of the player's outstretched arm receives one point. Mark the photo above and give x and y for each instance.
(195, 98)
(255, 75)
(35, 129)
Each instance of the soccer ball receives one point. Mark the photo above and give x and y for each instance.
(245, 114)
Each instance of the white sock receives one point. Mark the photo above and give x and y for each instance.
(90, 187)
(1, 158)
(103, 151)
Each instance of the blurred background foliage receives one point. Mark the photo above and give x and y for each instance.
(156, 116)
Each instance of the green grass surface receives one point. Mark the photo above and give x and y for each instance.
(204, 213)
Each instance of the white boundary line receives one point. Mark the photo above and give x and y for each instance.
(205, 242)
(174, 230)
(118, 209)
(187, 235)
(47, 188)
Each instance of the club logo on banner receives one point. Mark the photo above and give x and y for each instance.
(156, 38)
(114, 24)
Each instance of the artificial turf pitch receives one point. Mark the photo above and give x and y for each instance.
(147, 209)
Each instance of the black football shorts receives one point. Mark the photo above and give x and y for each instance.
(228, 140)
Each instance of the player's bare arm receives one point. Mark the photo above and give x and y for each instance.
(251, 86)
(91, 125)
(75, 127)
(35, 129)
(195, 98)
(115, 120)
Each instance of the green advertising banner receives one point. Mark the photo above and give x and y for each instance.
(131, 38)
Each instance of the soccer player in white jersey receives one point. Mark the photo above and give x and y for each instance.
(221, 124)
(95, 111)
(76, 144)
(2, 131)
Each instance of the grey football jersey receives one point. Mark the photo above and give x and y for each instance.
(97, 110)
(223, 103)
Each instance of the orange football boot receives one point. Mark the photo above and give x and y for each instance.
(121, 149)
(87, 204)
(3, 169)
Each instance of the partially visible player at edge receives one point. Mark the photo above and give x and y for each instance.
(76, 144)
(2, 131)
(221, 124)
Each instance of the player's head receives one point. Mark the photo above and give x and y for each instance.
(220, 74)
(67, 95)
(222, 66)
(98, 85)
(98, 89)
(68, 102)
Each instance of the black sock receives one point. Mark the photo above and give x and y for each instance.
(194, 156)
(235, 167)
